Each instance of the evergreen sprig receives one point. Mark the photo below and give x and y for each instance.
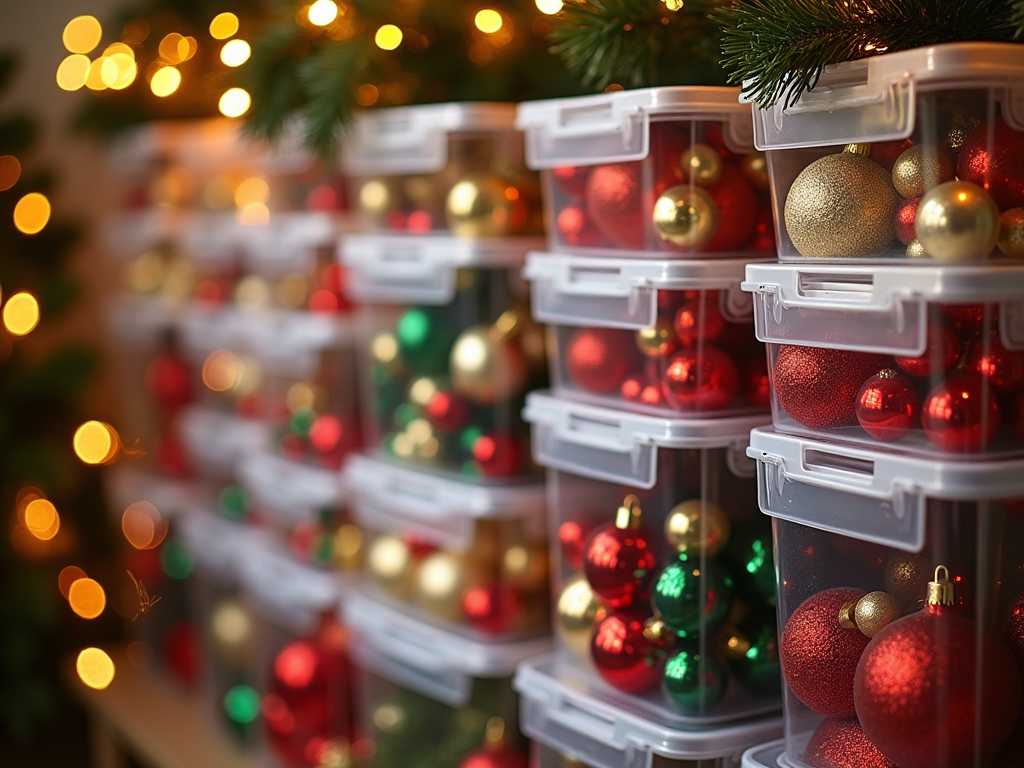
(778, 48)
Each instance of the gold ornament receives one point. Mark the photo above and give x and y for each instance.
(697, 526)
(657, 341)
(252, 292)
(384, 351)
(579, 609)
(870, 613)
(440, 582)
(1011, 233)
(701, 165)
(231, 629)
(485, 206)
(956, 221)
(486, 363)
(377, 198)
(685, 216)
(915, 250)
(841, 205)
(920, 168)
(525, 567)
(348, 547)
(959, 129)
(390, 563)
(906, 575)
(755, 168)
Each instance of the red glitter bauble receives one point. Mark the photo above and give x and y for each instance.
(755, 382)
(961, 415)
(906, 215)
(598, 359)
(169, 380)
(699, 320)
(970, 318)
(842, 744)
(574, 227)
(737, 210)
(492, 608)
(448, 412)
(922, 699)
(1013, 629)
(181, 651)
(763, 240)
(888, 406)
(819, 656)
(940, 355)
(498, 455)
(818, 387)
(701, 379)
(613, 200)
(619, 564)
(1001, 368)
(571, 179)
(993, 157)
(624, 656)
(495, 757)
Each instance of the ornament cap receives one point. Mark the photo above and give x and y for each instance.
(506, 326)
(655, 629)
(734, 644)
(847, 614)
(628, 515)
(940, 590)
(888, 373)
(858, 149)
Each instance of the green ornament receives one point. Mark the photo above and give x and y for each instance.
(405, 413)
(693, 682)
(468, 438)
(751, 651)
(691, 599)
(425, 339)
(302, 421)
(752, 561)
(233, 501)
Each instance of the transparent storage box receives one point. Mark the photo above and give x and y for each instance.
(470, 559)
(659, 337)
(650, 173)
(442, 168)
(574, 728)
(908, 155)
(450, 350)
(663, 572)
(900, 597)
(920, 359)
(765, 755)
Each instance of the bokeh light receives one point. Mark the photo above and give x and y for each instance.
(95, 668)
(549, 7)
(488, 20)
(143, 526)
(41, 519)
(222, 370)
(254, 215)
(94, 80)
(295, 665)
(252, 190)
(388, 37)
(21, 314)
(87, 598)
(10, 172)
(82, 34)
(176, 560)
(234, 102)
(235, 52)
(118, 71)
(165, 81)
(68, 576)
(242, 704)
(96, 442)
(32, 213)
(322, 12)
(72, 72)
(231, 623)
(223, 26)
(135, 31)
(174, 48)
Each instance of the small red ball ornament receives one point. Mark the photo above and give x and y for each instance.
(940, 355)
(701, 379)
(1002, 368)
(842, 744)
(571, 179)
(498, 455)
(447, 411)
(756, 383)
(575, 228)
(572, 538)
(169, 380)
(737, 210)
(888, 406)
(922, 698)
(906, 215)
(629, 650)
(698, 320)
(961, 415)
(613, 203)
(970, 318)
(495, 752)
(598, 359)
(492, 608)
(618, 560)
(993, 158)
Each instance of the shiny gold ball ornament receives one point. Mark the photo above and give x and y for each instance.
(657, 341)
(841, 205)
(579, 610)
(685, 216)
(485, 206)
(697, 526)
(701, 165)
(870, 613)
(1011, 233)
(755, 168)
(920, 168)
(486, 364)
(376, 198)
(390, 563)
(957, 221)
(385, 352)
(440, 582)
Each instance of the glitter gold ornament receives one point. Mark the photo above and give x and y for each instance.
(755, 168)
(658, 341)
(697, 526)
(390, 563)
(701, 165)
(920, 168)
(685, 216)
(915, 250)
(486, 363)
(579, 609)
(485, 206)
(440, 582)
(957, 220)
(906, 575)
(870, 613)
(841, 205)
(1011, 233)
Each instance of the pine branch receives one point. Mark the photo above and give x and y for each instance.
(1018, 19)
(328, 77)
(273, 73)
(778, 48)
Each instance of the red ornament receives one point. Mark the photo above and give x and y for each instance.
(598, 359)
(940, 355)
(842, 744)
(1013, 630)
(571, 179)
(572, 537)
(498, 454)
(181, 651)
(888, 406)
(970, 318)
(1001, 368)
(618, 560)
(169, 380)
(326, 432)
(701, 379)
(322, 197)
(993, 157)
(819, 656)
(1015, 416)
(737, 210)
(764, 232)
(961, 415)
(922, 698)
(613, 198)
(495, 757)
(574, 227)
(906, 215)
(713, 136)
(447, 411)
(626, 654)
(818, 387)
(493, 608)
(755, 382)
(699, 320)
(668, 142)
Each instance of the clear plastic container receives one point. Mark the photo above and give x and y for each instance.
(577, 728)
(904, 155)
(900, 599)
(442, 168)
(921, 359)
(765, 755)
(650, 173)
(655, 600)
(470, 559)
(659, 337)
(450, 350)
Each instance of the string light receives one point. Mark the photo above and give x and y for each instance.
(488, 21)
(68, 576)
(41, 519)
(223, 26)
(388, 37)
(94, 80)
(32, 213)
(95, 668)
(165, 81)
(235, 52)
(322, 12)
(10, 172)
(550, 7)
(21, 314)
(72, 72)
(118, 71)
(235, 102)
(87, 598)
(143, 526)
(82, 34)
(96, 442)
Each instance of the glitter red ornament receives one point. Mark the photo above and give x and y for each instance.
(613, 204)
(598, 359)
(969, 318)
(737, 210)
(906, 215)
(841, 743)
(993, 158)
(700, 379)
(942, 351)
(888, 406)
(819, 656)
(1001, 368)
(628, 653)
(697, 320)
(618, 560)
(498, 455)
(572, 537)
(961, 415)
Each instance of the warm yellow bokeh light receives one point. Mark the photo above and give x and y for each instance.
(94, 80)
(124, 48)
(143, 526)
(95, 668)
(252, 190)
(488, 20)
(235, 52)
(96, 442)
(223, 26)
(300, 395)
(10, 172)
(388, 37)
(173, 48)
(118, 71)
(82, 34)
(31, 213)
(234, 102)
(21, 314)
(221, 370)
(72, 72)
(322, 12)
(41, 519)
(87, 598)
(549, 7)
(165, 81)
(254, 215)
(69, 574)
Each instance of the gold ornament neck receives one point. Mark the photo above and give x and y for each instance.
(940, 590)
(847, 614)
(858, 149)
(627, 517)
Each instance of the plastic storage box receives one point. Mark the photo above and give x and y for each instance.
(471, 559)
(650, 172)
(926, 359)
(450, 351)
(660, 337)
(442, 168)
(900, 603)
(663, 571)
(576, 728)
(765, 755)
(903, 155)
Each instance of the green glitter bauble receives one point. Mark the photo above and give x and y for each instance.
(691, 599)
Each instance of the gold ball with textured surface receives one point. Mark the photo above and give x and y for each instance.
(486, 366)
(871, 612)
(1011, 233)
(755, 168)
(657, 341)
(685, 216)
(841, 205)
(440, 582)
(906, 577)
(697, 526)
(701, 165)
(579, 609)
(920, 168)
(915, 250)
(957, 221)
(485, 206)
(390, 563)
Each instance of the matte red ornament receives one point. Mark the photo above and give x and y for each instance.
(447, 411)
(737, 210)
(598, 359)
(626, 655)
(941, 354)
(169, 380)
(906, 215)
(818, 387)
(572, 538)
(575, 228)
(888, 406)
(326, 432)
(498, 455)
(1002, 368)
(842, 744)
(571, 179)
(993, 158)
(961, 415)
(763, 240)
(618, 560)
(701, 379)
(755, 382)
(921, 696)
(819, 656)
(697, 320)
(492, 608)
(613, 203)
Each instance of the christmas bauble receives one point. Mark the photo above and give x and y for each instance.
(572, 538)
(685, 216)
(751, 558)
(390, 564)
(992, 157)
(447, 411)
(819, 656)
(701, 165)
(906, 215)
(940, 355)
(642, 390)
(495, 752)
(618, 560)
(957, 221)
(377, 198)
(658, 341)
(737, 211)
(1011, 233)
(841, 205)
(919, 168)
(425, 336)
(169, 380)
(701, 379)
(961, 415)
(492, 608)
(871, 612)
(440, 582)
(525, 567)
(628, 654)
(915, 250)
(486, 366)
(885, 152)
(575, 228)
(613, 202)
(571, 179)
(755, 382)
(1013, 629)
(751, 652)
(693, 682)
(818, 387)
(888, 406)
(498, 454)
(697, 527)
(699, 320)
(231, 632)
(968, 318)
(598, 359)
(841, 743)
(755, 169)
(906, 575)
(578, 610)
(691, 597)
(481, 206)
(1001, 368)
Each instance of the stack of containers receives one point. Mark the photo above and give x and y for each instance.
(663, 577)
(894, 472)
(451, 506)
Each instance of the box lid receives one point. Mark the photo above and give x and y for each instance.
(765, 756)
(127, 234)
(294, 491)
(210, 238)
(207, 327)
(289, 343)
(141, 319)
(289, 241)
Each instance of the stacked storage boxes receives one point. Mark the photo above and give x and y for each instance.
(894, 470)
